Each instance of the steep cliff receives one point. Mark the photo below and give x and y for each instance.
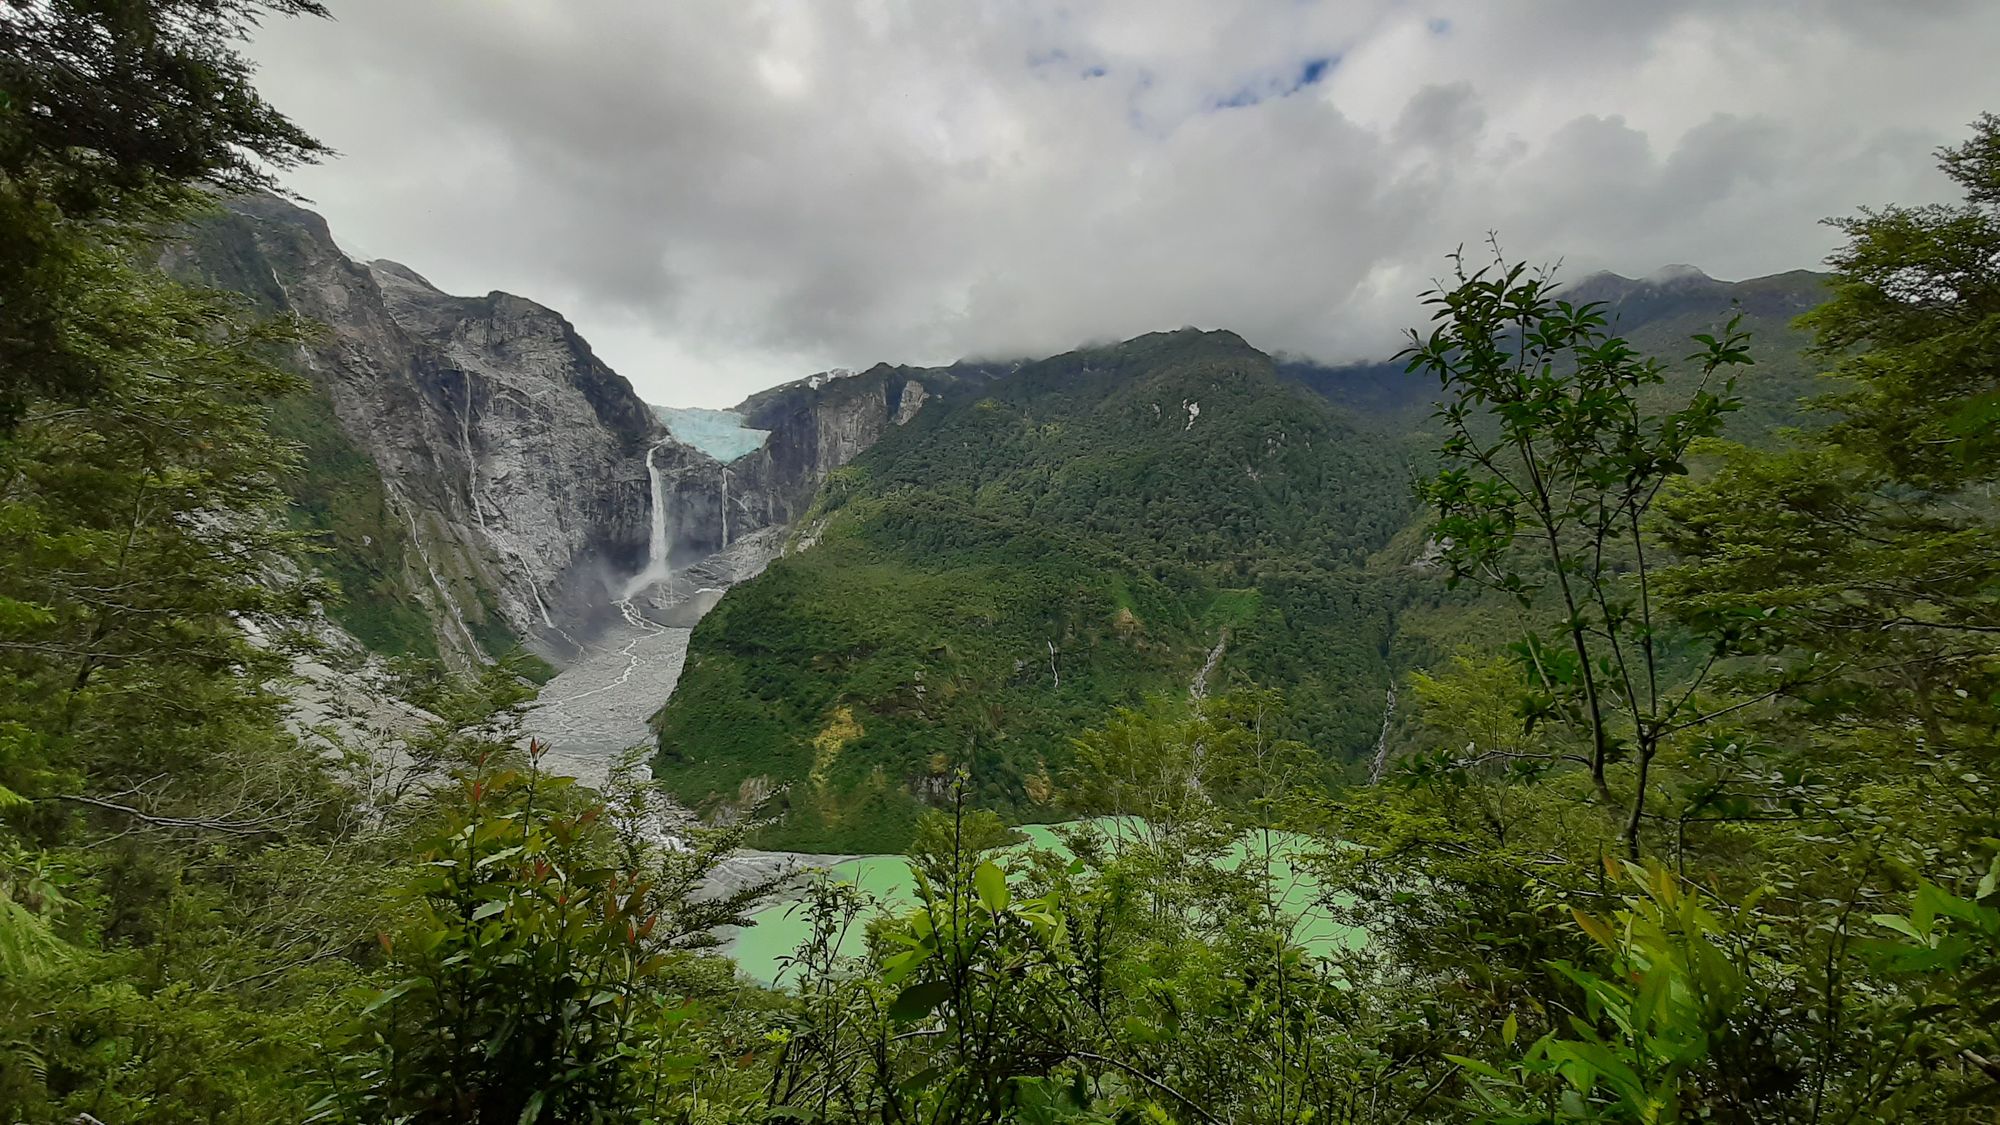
(546, 446)
(820, 423)
(511, 457)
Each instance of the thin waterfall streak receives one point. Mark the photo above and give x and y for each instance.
(1381, 761)
(471, 462)
(540, 605)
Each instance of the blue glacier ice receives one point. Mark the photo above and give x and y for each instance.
(719, 433)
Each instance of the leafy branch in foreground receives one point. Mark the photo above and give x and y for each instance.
(1551, 464)
(544, 972)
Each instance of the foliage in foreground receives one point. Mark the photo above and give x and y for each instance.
(1786, 911)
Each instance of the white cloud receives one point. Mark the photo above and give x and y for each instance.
(727, 194)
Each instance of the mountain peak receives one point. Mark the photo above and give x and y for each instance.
(1221, 336)
(400, 271)
(1678, 279)
(1675, 274)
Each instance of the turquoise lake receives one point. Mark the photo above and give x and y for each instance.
(781, 925)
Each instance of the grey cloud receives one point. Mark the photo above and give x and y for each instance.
(725, 193)
(1442, 118)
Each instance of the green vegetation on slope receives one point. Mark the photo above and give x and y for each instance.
(1784, 376)
(1007, 569)
(336, 496)
(1173, 468)
(858, 673)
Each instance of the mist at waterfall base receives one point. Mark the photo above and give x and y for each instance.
(629, 648)
(724, 437)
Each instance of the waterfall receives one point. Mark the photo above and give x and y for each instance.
(1198, 691)
(471, 459)
(725, 507)
(536, 592)
(658, 547)
(1382, 744)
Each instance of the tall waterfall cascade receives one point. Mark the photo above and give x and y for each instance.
(659, 544)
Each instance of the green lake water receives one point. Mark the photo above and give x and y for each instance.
(779, 927)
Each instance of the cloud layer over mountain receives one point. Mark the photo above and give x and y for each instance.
(728, 194)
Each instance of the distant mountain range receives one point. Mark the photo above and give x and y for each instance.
(929, 569)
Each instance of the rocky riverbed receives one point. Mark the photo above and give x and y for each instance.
(596, 709)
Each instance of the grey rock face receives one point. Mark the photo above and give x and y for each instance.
(817, 425)
(822, 422)
(913, 401)
(548, 447)
(514, 456)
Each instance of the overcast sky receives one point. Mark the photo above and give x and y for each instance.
(726, 195)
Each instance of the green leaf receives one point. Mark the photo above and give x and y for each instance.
(900, 965)
(1897, 923)
(1487, 1070)
(488, 910)
(500, 856)
(27, 945)
(919, 1000)
(992, 886)
(388, 995)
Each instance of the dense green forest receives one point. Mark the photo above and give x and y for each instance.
(1011, 567)
(1693, 817)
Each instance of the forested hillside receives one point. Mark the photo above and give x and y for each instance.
(1084, 533)
(1013, 565)
(1659, 314)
